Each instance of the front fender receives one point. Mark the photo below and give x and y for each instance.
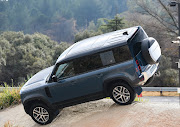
(35, 98)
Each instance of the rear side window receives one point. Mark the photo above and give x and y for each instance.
(98, 60)
(107, 58)
(122, 54)
(87, 63)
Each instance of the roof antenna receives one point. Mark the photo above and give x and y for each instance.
(125, 33)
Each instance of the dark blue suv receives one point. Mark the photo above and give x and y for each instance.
(112, 64)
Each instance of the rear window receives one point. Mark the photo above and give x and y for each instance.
(122, 54)
(135, 43)
(136, 48)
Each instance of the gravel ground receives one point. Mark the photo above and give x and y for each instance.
(103, 113)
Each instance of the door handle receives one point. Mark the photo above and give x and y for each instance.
(99, 75)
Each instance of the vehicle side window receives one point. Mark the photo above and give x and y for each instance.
(107, 58)
(65, 70)
(87, 63)
(122, 54)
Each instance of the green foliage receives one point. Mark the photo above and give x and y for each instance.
(171, 77)
(92, 26)
(23, 55)
(9, 97)
(139, 99)
(112, 24)
(168, 76)
(87, 11)
(102, 26)
(85, 34)
(55, 18)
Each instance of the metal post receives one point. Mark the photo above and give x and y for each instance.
(179, 44)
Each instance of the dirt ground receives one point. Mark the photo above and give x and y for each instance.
(102, 113)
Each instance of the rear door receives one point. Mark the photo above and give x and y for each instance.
(134, 44)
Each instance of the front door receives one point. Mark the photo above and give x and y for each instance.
(74, 84)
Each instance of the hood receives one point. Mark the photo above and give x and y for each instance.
(40, 76)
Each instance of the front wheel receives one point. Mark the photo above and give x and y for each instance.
(41, 114)
(122, 93)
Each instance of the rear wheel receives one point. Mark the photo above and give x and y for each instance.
(41, 114)
(122, 93)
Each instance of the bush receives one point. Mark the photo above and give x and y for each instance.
(22, 55)
(168, 76)
(85, 34)
(9, 97)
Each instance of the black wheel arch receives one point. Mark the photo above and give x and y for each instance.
(28, 103)
(107, 83)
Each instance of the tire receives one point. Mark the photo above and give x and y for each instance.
(122, 93)
(41, 114)
(151, 50)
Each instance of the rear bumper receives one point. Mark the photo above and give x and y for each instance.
(149, 72)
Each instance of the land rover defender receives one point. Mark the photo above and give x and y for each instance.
(109, 65)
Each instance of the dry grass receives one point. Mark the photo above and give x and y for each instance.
(9, 97)
(147, 93)
(8, 124)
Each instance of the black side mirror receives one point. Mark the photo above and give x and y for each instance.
(54, 78)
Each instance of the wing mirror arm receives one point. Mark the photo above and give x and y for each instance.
(54, 78)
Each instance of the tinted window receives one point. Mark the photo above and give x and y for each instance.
(65, 70)
(122, 54)
(140, 35)
(136, 48)
(87, 63)
(107, 58)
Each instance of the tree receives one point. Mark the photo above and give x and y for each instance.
(158, 20)
(62, 30)
(44, 15)
(92, 26)
(158, 10)
(168, 75)
(85, 34)
(87, 11)
(103, 26)
(23, 55)
(112, 24)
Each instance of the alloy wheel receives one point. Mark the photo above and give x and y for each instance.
(121, 94)
(40, 114)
